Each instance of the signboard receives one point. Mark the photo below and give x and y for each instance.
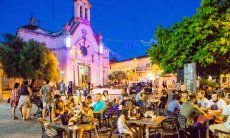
(190, 77)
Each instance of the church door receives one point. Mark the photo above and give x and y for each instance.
(84, 74)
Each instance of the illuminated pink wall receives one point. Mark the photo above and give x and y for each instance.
(98, 61)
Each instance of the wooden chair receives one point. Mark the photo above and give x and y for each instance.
(217, 132)
(101, 119)
(182, 123)
(169, 127)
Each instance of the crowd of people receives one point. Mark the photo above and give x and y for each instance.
(66, 109)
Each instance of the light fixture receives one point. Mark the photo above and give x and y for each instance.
(101, 48)
(68, 41)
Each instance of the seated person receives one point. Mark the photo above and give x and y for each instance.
(163, 99)
(140, 98)
(69, 103)
(99, 106)
(87, 114)
(202, 101)
(174, 104)
(57, 106)
(126, 102)
(189, 109)
(216, 103)
(88, 100)
(223, 126)
(65, 117)
(123, 127)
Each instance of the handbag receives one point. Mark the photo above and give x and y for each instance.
(8, 100)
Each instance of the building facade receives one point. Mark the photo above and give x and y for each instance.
(140, 69)
(80, 51)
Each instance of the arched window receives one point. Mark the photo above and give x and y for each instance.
(81, 11)
(86, 13)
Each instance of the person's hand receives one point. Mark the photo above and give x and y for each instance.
(208, 116)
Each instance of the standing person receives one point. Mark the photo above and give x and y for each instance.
(164, 84)
(84, 88)
(24, 100)
(62, 87)
(14, 98)
(89, 87)
(45, 92)
(70, 88)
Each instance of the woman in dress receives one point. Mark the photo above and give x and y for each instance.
(14, 98)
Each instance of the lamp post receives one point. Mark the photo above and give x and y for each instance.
(1, 74)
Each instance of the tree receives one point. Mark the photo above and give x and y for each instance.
(31, 60)
(203, 39)
(118, 76)
(9, 55)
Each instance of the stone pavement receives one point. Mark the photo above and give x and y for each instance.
(10, 128)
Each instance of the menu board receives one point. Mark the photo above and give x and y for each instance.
(190, 77)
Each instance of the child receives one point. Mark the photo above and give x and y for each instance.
(78, 93)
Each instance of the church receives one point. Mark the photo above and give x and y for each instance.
(80, 51)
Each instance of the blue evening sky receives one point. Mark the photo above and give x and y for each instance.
(123, 23)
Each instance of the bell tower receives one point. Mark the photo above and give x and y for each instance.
(82, 9)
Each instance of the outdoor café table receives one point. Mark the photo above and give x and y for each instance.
(148, 122)
(67, 128)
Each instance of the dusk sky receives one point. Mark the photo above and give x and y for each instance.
(123, 23)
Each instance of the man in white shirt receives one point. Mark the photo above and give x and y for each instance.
(216, 103)
(202, 101)
(224, 126)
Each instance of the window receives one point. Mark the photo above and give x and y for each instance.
(92, 58)
(86, 13)
(81, 11)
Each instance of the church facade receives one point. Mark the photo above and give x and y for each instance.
(80, 51)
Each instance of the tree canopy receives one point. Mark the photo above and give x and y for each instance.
(28, 60)
(118, 76)
(203, 39)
